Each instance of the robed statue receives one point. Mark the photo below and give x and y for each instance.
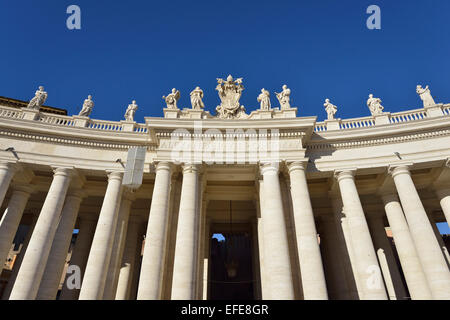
(38, 100)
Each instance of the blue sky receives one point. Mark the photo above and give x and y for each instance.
(141, 49)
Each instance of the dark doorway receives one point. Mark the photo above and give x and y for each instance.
(231, 269)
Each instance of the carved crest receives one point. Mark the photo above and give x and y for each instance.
(230, 92)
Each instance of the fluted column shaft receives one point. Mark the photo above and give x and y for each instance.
(94, 278)
(11, 218)
(277, 264)
(126, 273)
(150, 280)
(444, 200)
(119, 244)
(7, 171)
(35, 259)
(369, 272)
(310, 259)
(184, 267)
(48, 288)
(430, 255)
(80, 253)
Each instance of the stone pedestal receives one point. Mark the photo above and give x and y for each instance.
(128, 126)
(81, 121)
(383, 118)
(334, 124)
(171, 113)
(30, 114)
(434, 111)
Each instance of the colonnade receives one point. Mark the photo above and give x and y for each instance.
(106, 249)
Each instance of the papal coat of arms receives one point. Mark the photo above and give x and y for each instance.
(230, 92)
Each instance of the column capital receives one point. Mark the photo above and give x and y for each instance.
(266, 167)
(9, 165)
(190, 167)
(389, 197)
(63, 171)
(296, 165)
(114, 175)
(401, 168)
(163, 165)
(442, 192)
(345, 174)
(76, 193)
(25, 188)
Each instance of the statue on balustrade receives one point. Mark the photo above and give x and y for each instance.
(230, 91)
(374, 105)
(172, 98)
(284, 98)
(264, 99)
(38, 100)
(88, 105)
(330, 108)
(425, 95)
(131, 110)
(196, 99)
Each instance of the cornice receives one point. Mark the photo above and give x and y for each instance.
(70, 141)
(355, 143)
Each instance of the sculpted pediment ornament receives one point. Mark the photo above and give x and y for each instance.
(230, 92)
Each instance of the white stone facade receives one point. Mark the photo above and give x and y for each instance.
(342, 181)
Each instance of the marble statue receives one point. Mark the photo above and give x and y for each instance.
(131, 110)
(374, 105)
(425, 95)
(330, 108)
(230, 92)
(196, 99)
(87, 107)
(38, 100)
(264, 99)
(172, 98)
(284, 98)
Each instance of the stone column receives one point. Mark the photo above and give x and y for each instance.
(126, 272)
(368, 270)
(310, 259)
(35, 259)
(333, 259)
(439, 239)
(277, 264)
(7, 171)
(119, 244)
(19, 259)
(354, 288)
(11, 218)
(152, 267)
(444, 200)
(430, 255)
(389, 267)
(184, 266)
(80, 253)
(94, 278)
(409, 260)
(48, 288)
